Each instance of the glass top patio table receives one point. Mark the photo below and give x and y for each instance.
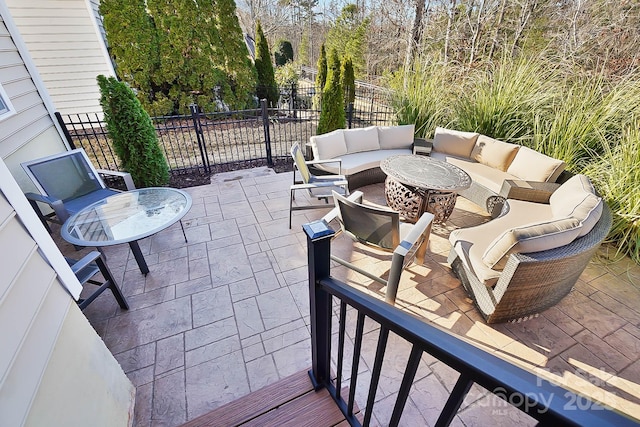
(126, 218)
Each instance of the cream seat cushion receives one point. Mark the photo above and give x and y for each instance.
(361, 139)
(530, 165)
(329, 145)
(358, 162)
(454, 142)
(396, 137)
(471, 243)
(494, 153)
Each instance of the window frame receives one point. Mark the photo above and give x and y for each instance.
(5, 102)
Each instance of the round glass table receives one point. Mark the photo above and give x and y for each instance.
(126, 218)
(417, 184)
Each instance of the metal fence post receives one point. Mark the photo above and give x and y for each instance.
(350, 115)
(267, 134)
(319, 236)
(63, 126)
(294, 99)
(195, 115)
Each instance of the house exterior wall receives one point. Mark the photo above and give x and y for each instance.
(64, 40)
(31, 132)
(54, 369)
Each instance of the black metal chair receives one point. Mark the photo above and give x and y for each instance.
(89, 266)
(382, 229)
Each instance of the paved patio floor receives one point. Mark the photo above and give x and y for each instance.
(228, 313)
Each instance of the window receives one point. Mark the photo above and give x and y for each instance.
(6, 108)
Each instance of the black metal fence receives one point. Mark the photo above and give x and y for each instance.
(211, 142)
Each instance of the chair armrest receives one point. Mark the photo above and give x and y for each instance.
(56, 204)
(356, 196)
(529, 191)
(126, 177)
(85, 261)
(419, 229)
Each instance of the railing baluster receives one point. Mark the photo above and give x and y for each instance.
(357, 346)
(375, 375)
(456, 398)
(341, 334)
(407, 381)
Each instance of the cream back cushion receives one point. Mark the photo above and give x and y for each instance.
(534, 237)
(362, 139)
(577, 198)
(454, 142)
(329, 145)
(394, 137)
(494, 153)
(533, 166)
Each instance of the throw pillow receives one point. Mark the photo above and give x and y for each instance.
(494, 153)
(329, 145)
(394, 137)
(577, 198)
(533, 166)
(362, 139)
(530, 238)
(454, 142)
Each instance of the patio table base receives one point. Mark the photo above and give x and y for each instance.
(412, 202)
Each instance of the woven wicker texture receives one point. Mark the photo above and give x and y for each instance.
(531, 283)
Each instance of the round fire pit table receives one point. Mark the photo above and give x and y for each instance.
(417, 184)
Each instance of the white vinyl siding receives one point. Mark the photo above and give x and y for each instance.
(65, 43)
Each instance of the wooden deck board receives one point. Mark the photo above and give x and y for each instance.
(256, 403)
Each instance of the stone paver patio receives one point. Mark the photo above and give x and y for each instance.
(227, 313)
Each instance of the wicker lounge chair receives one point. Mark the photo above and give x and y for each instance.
(532, 282)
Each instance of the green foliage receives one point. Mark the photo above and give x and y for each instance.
(287, 75)
(616, 173)
(132, 134)
(502, 101)
(266, 87)
(321, 77)
(348, 36)
(172, 51)
(283, 53)
(332, 114)
(303, 49)
(348, 82)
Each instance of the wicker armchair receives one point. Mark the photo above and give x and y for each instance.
(532, 282)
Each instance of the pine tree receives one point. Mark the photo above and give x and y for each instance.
(303, 49)
(348, 82)
(332, 115)
(267, 88)
(132, 133)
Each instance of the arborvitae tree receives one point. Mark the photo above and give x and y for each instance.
(348, 36)
(266, 87)
(283, 53)
(133, 44)
(132, 133)
(174, 52)
(348, 82)
(332, 115)
(321, 78)
(237, 65)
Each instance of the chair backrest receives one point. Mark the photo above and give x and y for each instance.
(367, 224)
(64, 176)
(298, 158)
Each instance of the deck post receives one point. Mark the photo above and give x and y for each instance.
(319, 236)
